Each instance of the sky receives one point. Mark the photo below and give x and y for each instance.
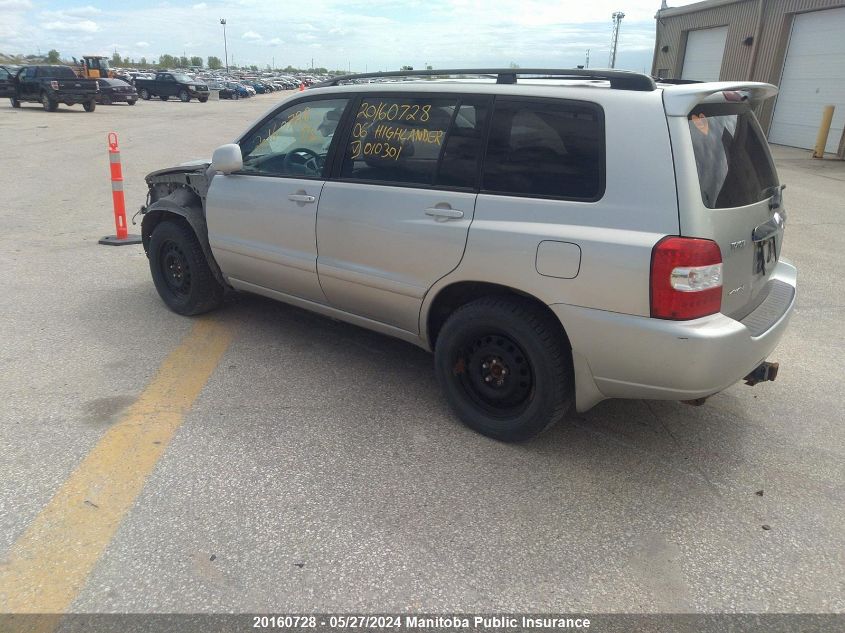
(359, 35)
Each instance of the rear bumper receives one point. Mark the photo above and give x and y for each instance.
(118, 98)
(74, 98)
(625, 356)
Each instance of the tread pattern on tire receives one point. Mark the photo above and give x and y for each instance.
(210, 292)
(548, 332)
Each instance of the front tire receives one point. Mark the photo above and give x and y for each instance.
(144, 94)
(105, 100)
(163, 97)
(131, 102)
(202, 99)
(236, 96)
(184, 97)
(180, 271)
(505, 367)
(15, 102)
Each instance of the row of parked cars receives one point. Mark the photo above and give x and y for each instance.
(53, 84)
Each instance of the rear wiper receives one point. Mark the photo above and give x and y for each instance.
(774, 192)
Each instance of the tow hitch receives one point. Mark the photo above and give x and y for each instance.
(765, 371)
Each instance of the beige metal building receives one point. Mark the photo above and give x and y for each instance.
(798, 45)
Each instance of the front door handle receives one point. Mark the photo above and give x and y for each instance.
(301, 197)
(444, 214)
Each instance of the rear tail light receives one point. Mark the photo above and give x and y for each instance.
(54, 85)
(686, 278)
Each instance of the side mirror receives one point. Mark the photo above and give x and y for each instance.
(226, 159)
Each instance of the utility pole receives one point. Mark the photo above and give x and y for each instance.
(614, 38)
(587, 60)
(225, 46)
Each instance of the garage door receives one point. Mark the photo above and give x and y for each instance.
(813, 77)
(704, 52)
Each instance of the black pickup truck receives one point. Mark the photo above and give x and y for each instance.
(167, 85)
(50, 86)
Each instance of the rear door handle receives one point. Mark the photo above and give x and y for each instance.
(301, 197)
(445, 214)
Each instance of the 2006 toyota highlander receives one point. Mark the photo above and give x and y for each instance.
(556, 237)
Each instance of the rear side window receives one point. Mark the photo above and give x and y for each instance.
(732, 156)
(546, 149)
(398, 139)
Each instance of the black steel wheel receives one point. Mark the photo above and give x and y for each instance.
(497, 375)
(180, 270)
(505, 367)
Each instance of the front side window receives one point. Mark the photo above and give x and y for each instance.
(397, 139)
(295, 141)
(546, 149)
(4, 74)
(732, 156)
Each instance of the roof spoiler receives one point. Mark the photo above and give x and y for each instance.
(680, 100)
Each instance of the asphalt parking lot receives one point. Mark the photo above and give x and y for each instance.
(318, 468)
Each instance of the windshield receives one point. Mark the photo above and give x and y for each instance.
(183, 78)
(732, 156)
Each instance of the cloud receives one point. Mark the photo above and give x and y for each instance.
(73, 26)
(200, 6)
(15, 5)
(275, 41)
(78, 12)
(251, 35)
(142, 44)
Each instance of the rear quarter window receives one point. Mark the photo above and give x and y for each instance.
(732, 156)
(546, 149)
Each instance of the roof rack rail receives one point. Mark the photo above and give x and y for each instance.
(619, 79)
(676, 82)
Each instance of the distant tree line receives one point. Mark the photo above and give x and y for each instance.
(165, 61)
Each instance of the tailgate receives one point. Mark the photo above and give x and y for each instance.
(729, 192)
(77, 86)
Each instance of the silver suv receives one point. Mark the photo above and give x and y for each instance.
(572, 236)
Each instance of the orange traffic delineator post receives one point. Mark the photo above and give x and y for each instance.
(301, 86)
(121, 236)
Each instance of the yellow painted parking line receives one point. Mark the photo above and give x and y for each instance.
(49, 564)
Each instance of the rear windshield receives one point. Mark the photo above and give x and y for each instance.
(734, 164)
(59, 72)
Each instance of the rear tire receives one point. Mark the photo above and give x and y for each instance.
(15, 103)
(236, 96)
(180, 271)
(48, 103)
(163, 97)
(202, 99)
(90, 106)
(131, 102)
(144, 94)
(505, 367)
(105, 100)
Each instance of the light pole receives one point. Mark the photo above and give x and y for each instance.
(225, 46)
